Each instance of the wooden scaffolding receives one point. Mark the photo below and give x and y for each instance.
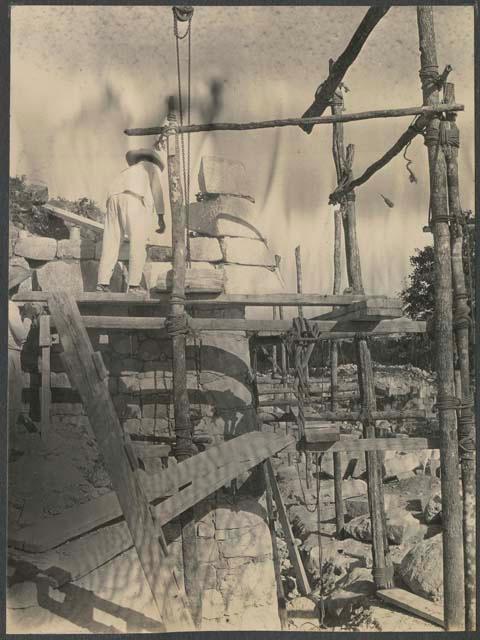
(354, 315)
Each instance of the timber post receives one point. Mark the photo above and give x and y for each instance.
(382, 564)
(461, 323)
(338, 151)
(177, 326)
(453, 573)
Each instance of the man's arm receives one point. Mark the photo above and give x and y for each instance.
(18, 327)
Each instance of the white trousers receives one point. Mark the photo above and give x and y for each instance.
(126, 214)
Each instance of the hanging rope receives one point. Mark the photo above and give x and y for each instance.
(184, 14)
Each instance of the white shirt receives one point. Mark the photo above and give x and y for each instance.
(17, 328)
(143, 179)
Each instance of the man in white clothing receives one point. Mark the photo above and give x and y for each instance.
(133, 199)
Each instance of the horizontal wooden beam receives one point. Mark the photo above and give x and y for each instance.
(291, 122)
(355, 416)
(206, 299)
(373, 444)
(330, 327)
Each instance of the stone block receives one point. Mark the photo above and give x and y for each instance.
(36, 247)
(203, 249)
(221, 175)
(248, 514)
(213, 606)
(207, 550)
(76, 249)
(247, 251)
(249, 585)
(205, 530)
(200, 276)
(224, 216)
(252, 542)
(254, 280)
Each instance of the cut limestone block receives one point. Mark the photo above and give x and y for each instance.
(36, 248)
(205, 250)
(74, 276)
(201, 276)
(76, 249)
(248, 252)
(67, 275)
(247, 279)
(223, 215)
(221, 175)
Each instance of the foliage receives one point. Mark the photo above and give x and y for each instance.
(418, 297)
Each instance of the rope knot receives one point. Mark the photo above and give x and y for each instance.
(177, 325)
(446, 403)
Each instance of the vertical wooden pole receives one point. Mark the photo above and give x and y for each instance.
(183, 429)
(274, 349)
(298, 264)
(45, 341)
(382, 564)
(339, 160)
(466, 421)
(282, 603)
(453, 574)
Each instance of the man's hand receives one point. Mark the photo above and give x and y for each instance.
(161, 224)
(32, 310)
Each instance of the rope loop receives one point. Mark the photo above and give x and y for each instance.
(446, 403)
(382, 574)
(177, 325)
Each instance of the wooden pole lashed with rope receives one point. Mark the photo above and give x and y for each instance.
(177, 327)
(462, 327)
(453, 573)
(339, 158)
(382, 565)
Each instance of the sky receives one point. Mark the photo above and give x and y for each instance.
(81, 75)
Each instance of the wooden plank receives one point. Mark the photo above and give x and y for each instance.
(46, 394)
(329, 329)
(412, 603)
(249, 300)
(293, 552)
(73, 218)
(291, 122)
(376, 444)
(170, 600)
(204, 486)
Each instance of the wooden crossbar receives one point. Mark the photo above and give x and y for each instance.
(295, 122)
(374, 444)
(330, 327)
(248, 300)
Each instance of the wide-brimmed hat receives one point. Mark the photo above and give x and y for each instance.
(16, 275)
(137, 155)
